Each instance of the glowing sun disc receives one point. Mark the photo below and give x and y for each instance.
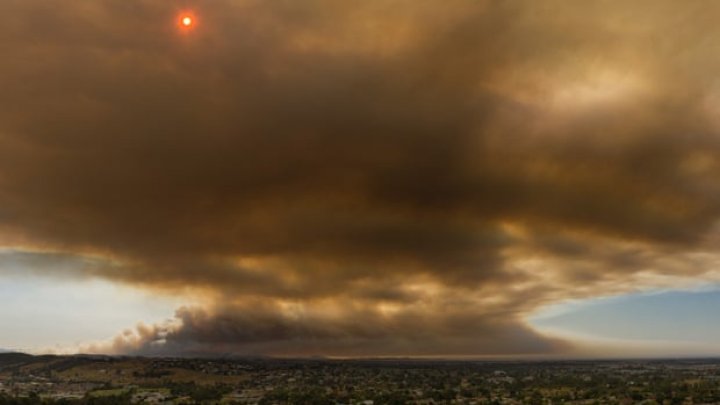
(186, 21)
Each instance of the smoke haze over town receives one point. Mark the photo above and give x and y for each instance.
(360, 178)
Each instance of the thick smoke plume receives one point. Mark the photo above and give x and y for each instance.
(384, 177)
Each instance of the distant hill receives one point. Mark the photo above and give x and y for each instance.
(10, 359)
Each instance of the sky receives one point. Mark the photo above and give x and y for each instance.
(456, 178)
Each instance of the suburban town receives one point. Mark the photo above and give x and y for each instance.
(26, 379)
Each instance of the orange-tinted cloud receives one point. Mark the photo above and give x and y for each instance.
(433, 172)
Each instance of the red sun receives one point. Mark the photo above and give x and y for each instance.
(186, 21)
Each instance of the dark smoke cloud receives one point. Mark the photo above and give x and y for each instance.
(428, 172)
(259, 329)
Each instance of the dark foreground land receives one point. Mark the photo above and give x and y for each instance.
(26, 379)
